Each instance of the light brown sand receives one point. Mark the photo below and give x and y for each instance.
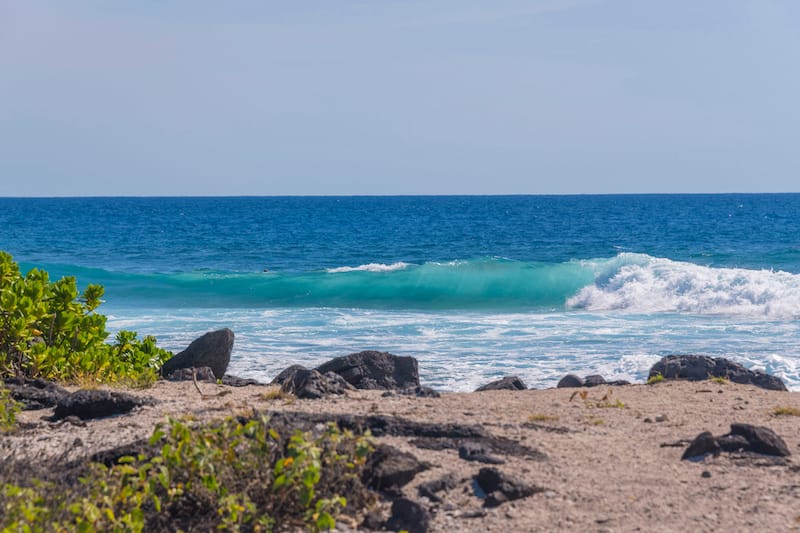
(608, 472)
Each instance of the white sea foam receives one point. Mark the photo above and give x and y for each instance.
(642, 284)
(371, 267)
(458, 351)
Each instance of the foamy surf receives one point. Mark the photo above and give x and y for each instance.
(639, 283)
(371, 267)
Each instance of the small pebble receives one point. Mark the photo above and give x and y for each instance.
(706, 473)
(661, 418)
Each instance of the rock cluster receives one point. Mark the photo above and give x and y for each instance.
(699, 367)
(594, 380)
(741, 438)
(362, 370)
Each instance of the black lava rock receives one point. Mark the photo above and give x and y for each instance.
(408, 515)
(505, 383)
(35, 394)
(500, 487)
(88, 404)
(375, 370)
(212, 350)
(389, 469)
(570, 381)
(699, 367)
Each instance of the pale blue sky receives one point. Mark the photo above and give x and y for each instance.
(146, 97)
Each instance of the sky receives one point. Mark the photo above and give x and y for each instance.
(301, 97)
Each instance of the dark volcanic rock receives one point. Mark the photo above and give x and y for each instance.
(311, 385)
(375, 370)
(761, 439)
(212, 350)
(424, 435)
(431, 488)
(505, 383)
(569, 381)
(236, 381)
(373, 521)
(732, 443)
(408, 515)
(88, 404)
(419, 392)
(203, 373)
(500, 487)
(594, 380)
(699, 367)
(35, 394)
(286, 374)
(742, 438)
(389, 469)
(702, 444)
(476, 451)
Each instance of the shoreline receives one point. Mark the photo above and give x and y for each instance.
(613, 457)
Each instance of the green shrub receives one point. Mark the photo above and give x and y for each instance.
(8, 410)
(48, 330)
(238, 475)
(655, 378)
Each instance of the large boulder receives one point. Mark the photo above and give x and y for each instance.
(212, 350)
(88, 404)
(375, 370)
(570, 381)
(505, 383)
(699, 367)
(312, 385)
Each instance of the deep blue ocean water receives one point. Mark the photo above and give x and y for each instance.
(474, 287)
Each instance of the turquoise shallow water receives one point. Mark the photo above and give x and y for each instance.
(475, 287)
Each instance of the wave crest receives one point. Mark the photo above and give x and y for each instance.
(643, 284)
(371, 267)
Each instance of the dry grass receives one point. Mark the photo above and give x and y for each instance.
(786, 411)
(274, 393)
(540, 417)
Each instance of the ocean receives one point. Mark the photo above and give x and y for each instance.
(474, 287)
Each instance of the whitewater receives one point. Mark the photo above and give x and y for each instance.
(473, 287)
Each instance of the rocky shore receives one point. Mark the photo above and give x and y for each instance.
(707, 445)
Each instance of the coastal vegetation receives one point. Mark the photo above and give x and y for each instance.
(50, 330)
(236, 475)
(655, 378)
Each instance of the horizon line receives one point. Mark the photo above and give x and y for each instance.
(408, 195)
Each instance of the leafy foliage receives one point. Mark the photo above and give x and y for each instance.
(239, 475)
(8, 410)
(49, 330)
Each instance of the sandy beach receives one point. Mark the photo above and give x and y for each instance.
(612, 455)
